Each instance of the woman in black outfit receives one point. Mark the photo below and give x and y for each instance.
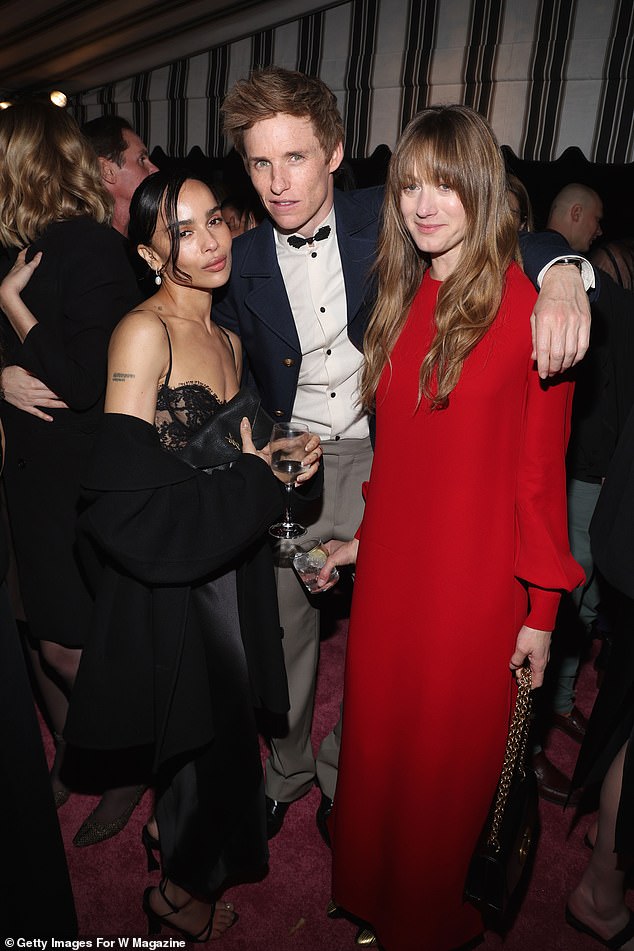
(34, 882)
(66, 284)
(597, 905)
(186, 636)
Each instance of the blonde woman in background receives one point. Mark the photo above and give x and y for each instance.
(66, 284)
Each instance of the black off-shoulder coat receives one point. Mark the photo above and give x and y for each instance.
(155, 528)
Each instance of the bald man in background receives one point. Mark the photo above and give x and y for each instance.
(576, 214)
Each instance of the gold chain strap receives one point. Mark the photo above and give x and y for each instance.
(514, 755)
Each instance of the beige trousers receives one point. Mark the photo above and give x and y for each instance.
(292, 766)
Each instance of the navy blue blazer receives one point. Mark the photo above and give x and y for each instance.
(255, 304)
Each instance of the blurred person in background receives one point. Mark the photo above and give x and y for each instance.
(65, 284)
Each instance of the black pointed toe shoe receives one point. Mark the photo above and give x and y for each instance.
(275, 814)
(93, 830)
(321, 818)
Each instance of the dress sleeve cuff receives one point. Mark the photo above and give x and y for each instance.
(543, 608)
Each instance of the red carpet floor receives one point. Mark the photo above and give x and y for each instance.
(286, 911)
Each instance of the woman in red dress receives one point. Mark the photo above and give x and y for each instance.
(463, 550)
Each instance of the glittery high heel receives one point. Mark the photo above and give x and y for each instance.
(366, 938)
(61, 795)
(93, 830)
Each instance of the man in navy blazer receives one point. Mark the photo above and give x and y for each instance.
(257, 296)
(299, 297)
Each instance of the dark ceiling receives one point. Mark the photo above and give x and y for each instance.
(77, 45)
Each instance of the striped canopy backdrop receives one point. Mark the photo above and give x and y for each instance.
(548, 74)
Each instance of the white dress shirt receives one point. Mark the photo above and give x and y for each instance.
(327, 391)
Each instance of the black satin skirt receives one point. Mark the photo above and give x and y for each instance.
(210, 802)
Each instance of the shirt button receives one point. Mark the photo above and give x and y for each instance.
(288, 362)
(333, 395)
(328, 352)
(278, 412)
(313, 254)
(322, 310)
(21, 463)
(337, 437)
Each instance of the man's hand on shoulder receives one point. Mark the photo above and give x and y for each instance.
(560, 321)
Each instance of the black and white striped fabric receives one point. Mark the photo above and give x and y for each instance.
(547, 73)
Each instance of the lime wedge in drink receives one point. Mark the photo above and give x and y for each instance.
(318, 556)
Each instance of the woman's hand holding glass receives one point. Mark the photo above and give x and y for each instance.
(304, 448)
(339, 553)
(288, 448)
(310, 464)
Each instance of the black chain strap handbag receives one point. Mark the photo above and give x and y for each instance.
(509, 835)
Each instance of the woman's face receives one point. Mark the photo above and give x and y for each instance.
(205, 240)
(435, 217)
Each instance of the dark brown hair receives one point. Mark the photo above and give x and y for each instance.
(105, 134)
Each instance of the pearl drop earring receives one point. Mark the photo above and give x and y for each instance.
(157, 278)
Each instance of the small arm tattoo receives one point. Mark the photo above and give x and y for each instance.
(121, 377)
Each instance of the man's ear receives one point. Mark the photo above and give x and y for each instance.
(336, 158)
(575, 212)
(108, 170)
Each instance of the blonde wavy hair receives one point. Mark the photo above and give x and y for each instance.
(48, 172)
(455, 146)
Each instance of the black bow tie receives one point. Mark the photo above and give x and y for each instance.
(296, 242)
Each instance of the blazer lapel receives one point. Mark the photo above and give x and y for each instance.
(267, 298)
(356, 234)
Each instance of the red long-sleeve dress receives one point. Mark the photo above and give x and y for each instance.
(464, 539)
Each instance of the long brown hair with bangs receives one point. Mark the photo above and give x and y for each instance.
(455, 146)
(48, 172)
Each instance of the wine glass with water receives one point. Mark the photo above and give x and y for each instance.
(288, 450)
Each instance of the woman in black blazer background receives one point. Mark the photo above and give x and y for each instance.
(66, 284)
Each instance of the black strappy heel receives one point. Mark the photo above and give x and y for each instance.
(156, 921)
(151, 845)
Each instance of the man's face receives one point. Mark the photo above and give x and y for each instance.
(136, 166)
(588, 225)
(290, 172)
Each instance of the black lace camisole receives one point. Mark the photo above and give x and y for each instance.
(183, 410)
